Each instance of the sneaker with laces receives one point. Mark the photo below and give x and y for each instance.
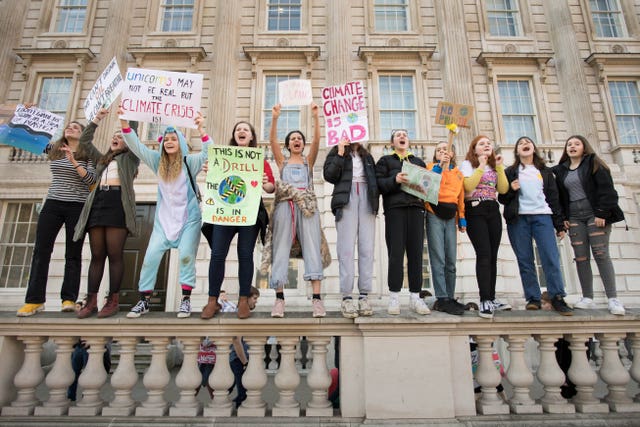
(616, 307)
(486, 309)
(142, 307)
(278, 308)
(534, 304)
(364, 307)
(500, 306)
(185, 308)
(29, 309)
(585, 304)
(318, 308)
(561, 306)
(349, 308)
(449, 306)
(394, 306)
(68, 306)
(418, 305)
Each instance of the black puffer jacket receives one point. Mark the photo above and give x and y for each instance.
(392, 195)
(338, 170)
(511, 202)
(598, 186)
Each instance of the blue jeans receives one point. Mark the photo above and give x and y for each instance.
(221, 241)
(521, 234)
(442, 245)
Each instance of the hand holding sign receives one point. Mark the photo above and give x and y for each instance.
(345, 112)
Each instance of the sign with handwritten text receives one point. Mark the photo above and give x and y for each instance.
(30, 129)
(345, 112)
(295, 92)
(234, 185)
(162, 97)
(459, 114)
(104, 91)
(423, 183)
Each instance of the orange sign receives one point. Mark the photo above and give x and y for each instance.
(448, 113)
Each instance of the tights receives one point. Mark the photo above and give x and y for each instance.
(106, 242)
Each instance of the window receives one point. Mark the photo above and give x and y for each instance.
(16, 243)
(154, 131)
(391, 15)
(397, 105)
(177, 15)
(607, 18)
(55, 94)
(71, 16)
(516, 104)
(626, 107)
(284, 15)
(542, 278)
(289, 116)
(504, 18)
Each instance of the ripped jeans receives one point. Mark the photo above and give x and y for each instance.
(584, 236)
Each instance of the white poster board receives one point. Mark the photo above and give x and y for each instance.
(294, 92)
(104, 91)
(345, 111)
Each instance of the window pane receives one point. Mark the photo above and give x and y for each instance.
(16, 243)
(71, 16)
(518, 116)
(391, 15)
(284, 15)
(397, 105)
(289, 116)
(55, 94)
(626, 106)
(607, 18)
(177, 15)
(503, 17)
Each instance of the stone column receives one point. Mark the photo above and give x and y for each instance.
(551, 377)
(91, 380)
(58, 380)
(155, 380)
(27, 379)
(188, 380)
(521, 378)
(123, 380)
(12, 15)
(287, 380)
(615, 375)
(339, 43)
(254, 380)
(585, 379)
(488, 377)
(319, 379)
(221, 380)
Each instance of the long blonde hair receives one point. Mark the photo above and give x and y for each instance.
(169, 169)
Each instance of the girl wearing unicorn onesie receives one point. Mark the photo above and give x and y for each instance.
(178, 218)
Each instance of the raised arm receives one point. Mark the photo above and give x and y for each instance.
(315, 142)
(145, 154)
(273, 136)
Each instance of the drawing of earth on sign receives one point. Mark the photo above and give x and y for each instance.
(232, 190)
(352, 118)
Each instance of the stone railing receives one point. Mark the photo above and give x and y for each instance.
(390, 367)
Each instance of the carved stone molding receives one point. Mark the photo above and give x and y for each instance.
(491, 59)
(192, 54)
(308, 54)
(600, 61)
(372, 54)
(31, 55)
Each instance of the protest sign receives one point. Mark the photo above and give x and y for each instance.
(345, 112)
(423, 183)
(30, 129)
(104, 91)
(294, 92)
(234, 185)
(162, 97)
(458, 114)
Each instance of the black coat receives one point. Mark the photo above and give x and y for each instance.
(392, 195)
(338, 170)
(598, 186)
(511, 202)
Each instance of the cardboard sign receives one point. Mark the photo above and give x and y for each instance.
(30, 129)
(234, 185)
(423, 183)
(104, 91)
(295, 92)
(162, 97)
(345, 112)
(448, 113)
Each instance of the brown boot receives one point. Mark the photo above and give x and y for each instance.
(111, 306)
(244, 312)
(211, 308)
(90, 308)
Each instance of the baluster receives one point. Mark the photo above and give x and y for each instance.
(319, 379)
(615, 375)
(221, 380)
(521, 378)
(551, 377)
(585, 378)
(287, 380)
(488, 377)
(155, 380)
(188, 380)
(634, 371)
(58, 380)
(91, 380)
(304, 349)
(27, 379)
(254, 379)
(123, 380)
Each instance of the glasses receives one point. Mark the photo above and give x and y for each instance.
(394, 131)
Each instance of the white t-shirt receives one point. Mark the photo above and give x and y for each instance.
(531, 199)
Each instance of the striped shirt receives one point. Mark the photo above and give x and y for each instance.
(66, 184)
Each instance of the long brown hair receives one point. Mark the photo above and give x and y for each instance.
(538, 161)
(452, 161)
(472, 157)
(254, 137)
(588, 149)
(109, 155)
(361, 151)
(54, 151)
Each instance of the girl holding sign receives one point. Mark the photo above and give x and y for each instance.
(484, 178)
(243, 135)
(178, 217)
(72, 172)
(295, 214)
(109, 215)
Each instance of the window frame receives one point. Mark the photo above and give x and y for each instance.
(385, 135)
(162, 8)
(58, 7)
(29, 245)
(267, 11)
(265, 110)
(614, 116)
(594, 27)
(519, 25)
(538, 138)
(408, 17)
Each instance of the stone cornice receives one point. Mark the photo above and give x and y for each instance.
(308, 53)
(192, 54)
(600, 60)
(28, 55)
(373, 53)
(539, 59)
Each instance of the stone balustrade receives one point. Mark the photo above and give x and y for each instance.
(390, 367)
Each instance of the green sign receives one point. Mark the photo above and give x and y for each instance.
(423, 183)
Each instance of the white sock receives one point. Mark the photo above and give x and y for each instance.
(414, 296)
(394, 296)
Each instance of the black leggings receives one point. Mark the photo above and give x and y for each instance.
(106, 242)
(484, 227)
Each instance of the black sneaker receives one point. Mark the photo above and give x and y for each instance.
(560, 306)
(142, 307)
(534, 304)
(449, 306)
(486, 309)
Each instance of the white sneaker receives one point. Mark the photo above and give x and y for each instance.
(500, 306)
(185, 309)
(349, 308)
(394, 306)
(419, 306)
(616, 307)
(585, 304)
(364, 307)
